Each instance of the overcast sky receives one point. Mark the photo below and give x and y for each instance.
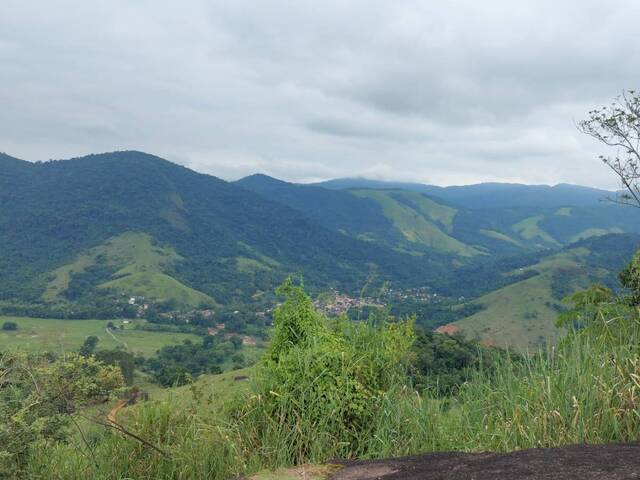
(449, 92)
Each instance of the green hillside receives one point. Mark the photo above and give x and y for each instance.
(420, 220)
(529, 229)
(500, 236)
(594, 232)
(137, 263)
(523, 314)
(453, 225)
(142, 225)
(160, 287)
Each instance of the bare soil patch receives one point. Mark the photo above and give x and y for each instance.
(449, 329)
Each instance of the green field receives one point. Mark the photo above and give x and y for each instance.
(44, 334)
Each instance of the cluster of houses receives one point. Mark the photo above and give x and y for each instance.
(423, 294)
(215, 329)
(188, 317)
(140, 303)
(247, 340)
(340, 303)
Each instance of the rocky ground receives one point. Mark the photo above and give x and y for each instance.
(583, 462)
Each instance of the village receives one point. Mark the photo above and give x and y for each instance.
(204, 318)
(335, 303)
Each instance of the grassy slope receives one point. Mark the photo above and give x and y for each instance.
(159, 286)
(529, 230)
(594, 232)
(38, 334)
(520, 314)
(424, 222)
(140, 265)
(500, 236)
(221, 387)
(251, 265)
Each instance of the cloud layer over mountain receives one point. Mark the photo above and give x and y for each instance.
(439, 92)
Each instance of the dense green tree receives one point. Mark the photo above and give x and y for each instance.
(178, 364)
(9, 326)
(120, 358)
(441, 363)
(630, 278)
(89, 345)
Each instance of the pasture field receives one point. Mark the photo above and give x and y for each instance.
(518, 315)
(523, 315)
(47, 334)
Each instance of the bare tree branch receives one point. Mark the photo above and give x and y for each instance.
(618, 125)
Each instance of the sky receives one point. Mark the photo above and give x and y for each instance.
(452, 92)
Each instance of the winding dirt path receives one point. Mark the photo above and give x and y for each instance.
(112, 416)
(121, 342)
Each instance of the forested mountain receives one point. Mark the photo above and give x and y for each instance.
(489, 195)
(68, 230)
(460, 221)
(80, 236)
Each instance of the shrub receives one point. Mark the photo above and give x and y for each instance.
(37, 397)
(9, 326)
(321, 384)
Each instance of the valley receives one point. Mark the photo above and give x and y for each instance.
(180, 242)
(319, 241)
(169, 280)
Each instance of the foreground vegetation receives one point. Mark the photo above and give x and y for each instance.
(332, 388)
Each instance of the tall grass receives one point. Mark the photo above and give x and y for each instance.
(585, 390)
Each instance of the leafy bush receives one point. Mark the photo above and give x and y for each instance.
(321, 384)
(37, 396)
(442, 363)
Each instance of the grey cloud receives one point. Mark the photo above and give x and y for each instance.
(444, 92)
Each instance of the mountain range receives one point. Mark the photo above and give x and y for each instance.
(471, 221)
(78, 235)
